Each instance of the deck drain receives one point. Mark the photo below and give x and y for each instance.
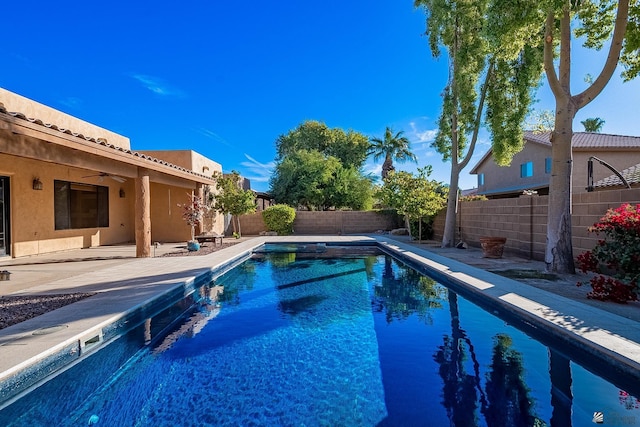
(49, 330)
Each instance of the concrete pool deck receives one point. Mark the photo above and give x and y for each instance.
(123, 283)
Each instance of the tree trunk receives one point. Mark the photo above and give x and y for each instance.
(387, 166)
(449, 235)
(407, 223)
(559, 249)
(233, 224)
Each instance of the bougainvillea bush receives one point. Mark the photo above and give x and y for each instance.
(616, 258)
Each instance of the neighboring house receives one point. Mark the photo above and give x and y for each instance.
(631, 176)
(263, 200)
(68, 184)
(531, 168)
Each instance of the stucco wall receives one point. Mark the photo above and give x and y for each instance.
(167, 224)
(18, 104)
(32, 211)
(188, 159)
(523, 221)
(502, 177)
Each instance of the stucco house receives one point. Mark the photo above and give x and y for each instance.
(531, 168)
(68, 184)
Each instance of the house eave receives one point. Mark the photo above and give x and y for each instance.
(20, 126)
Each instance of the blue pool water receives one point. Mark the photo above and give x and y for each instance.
(298, 339)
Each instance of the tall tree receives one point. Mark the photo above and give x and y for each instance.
(492, 61)
(593, 124)
(318, 168)
(597, 22)
(391, 147)
(315, 181)
(349, 147)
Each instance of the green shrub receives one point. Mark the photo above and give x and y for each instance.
(474, 198)
(279, 218)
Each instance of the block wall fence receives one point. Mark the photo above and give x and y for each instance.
(523, 221)
(328, 222)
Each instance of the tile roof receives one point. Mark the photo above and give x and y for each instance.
(100, 141)
(631, 175)
(540, 137)
(606, 141)
(590, 140)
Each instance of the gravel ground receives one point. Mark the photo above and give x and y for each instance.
(204, 249)
(16, 309)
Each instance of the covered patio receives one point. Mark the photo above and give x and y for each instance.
(67, 184)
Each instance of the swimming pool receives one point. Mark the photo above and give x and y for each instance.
(308, 338)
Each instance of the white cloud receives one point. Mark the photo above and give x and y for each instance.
(260, 172)
(374, 169)
(420, 136)
(212, 135)
(158, 86)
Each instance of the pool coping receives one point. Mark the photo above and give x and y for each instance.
(597, 333)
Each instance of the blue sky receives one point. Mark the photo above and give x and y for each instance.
(227, 78)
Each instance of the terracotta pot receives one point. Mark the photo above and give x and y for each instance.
(492, 247)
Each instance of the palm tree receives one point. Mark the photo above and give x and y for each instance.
(592, 125)
(392, 147)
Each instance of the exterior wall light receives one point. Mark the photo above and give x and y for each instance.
(37, 184)
(121, 193)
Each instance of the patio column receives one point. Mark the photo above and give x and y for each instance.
(143, 214)
(200, 193)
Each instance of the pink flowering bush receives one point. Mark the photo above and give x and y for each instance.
(617, 256)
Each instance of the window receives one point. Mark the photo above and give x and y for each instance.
(480, 179)
(80, 205)
(526, 170)
(547, 165)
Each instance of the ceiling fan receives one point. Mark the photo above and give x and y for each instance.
(101, 176)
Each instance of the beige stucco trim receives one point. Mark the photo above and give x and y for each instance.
(13, 102)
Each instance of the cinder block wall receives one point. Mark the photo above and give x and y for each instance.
(250, 224)
(588, 208)
(328, 222)
(523, 221)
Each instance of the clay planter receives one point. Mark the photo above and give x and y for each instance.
(193, 245)
(492, 247)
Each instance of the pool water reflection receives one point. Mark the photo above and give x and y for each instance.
(312, 339)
